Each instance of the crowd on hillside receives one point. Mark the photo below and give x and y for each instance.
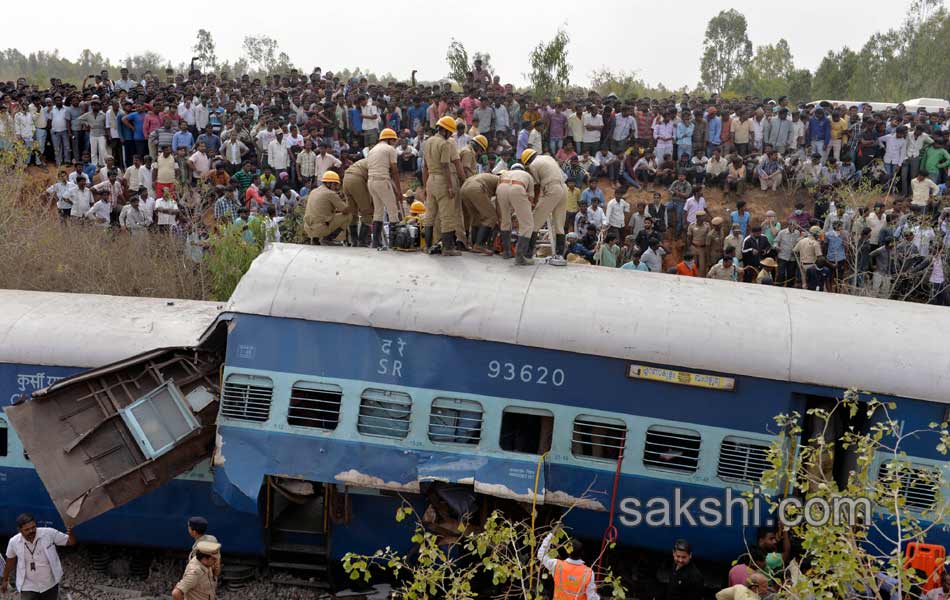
(144, 152)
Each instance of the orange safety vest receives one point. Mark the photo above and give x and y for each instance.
(570, 581)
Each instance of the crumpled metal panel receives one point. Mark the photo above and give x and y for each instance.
(35, 325)
(85, 452)
(759, 331)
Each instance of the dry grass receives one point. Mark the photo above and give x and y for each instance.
(41, 253)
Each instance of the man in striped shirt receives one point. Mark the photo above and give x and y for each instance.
(242, 179)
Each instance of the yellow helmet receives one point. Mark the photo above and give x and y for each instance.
(330, 177)
(482, 141)
(417, 208)
(388, 134)
(527, 155)
(448, 124)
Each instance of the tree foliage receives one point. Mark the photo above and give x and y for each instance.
(625, 84)
(550, 72)
(726, 50)
(204, 50)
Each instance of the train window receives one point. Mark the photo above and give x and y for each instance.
(526, 430)
(455, 421)
(598, 437)
(159, 419)
(315, 405)
(743, 460)
(247, 397)
(4, 439)
(672, 449)
(384, 413)
(918, 485)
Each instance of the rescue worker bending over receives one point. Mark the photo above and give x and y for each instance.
(573, 580)
(551, 195)
(327, 214)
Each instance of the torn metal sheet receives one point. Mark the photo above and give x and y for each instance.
(105, 437)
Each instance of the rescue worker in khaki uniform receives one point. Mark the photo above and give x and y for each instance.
(696, 235)
(468, 157)
(198, 581)
(551, 206)
(326, 213)
(383, 184)
(437, 153)
(573, 580)
(476, 194)
(515, 187)
(358, 200)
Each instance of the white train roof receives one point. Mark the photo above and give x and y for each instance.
(85, 330)
(880, 346)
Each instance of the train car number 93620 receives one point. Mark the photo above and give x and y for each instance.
(539, 374)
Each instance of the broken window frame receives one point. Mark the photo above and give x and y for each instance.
(671, 432)
(616, 437)
(536, 412)
(472, 432)
(138, 431)
(325, 415)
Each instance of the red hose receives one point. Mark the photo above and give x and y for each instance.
(611, 534)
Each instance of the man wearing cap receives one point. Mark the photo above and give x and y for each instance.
(807, 250)
(697, 235)
(714, 242)
(198, 531)
(198, 581)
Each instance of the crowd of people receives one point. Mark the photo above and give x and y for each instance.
(496, 171)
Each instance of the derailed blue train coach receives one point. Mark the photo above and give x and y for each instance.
(351, 380)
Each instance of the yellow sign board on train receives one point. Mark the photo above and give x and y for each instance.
(712, 382)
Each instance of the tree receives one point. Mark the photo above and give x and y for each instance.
(264, 52)
(726, 50)
(205, 51)
(872, 522)
(799, 85)
(550, 72)
(833, 76)
(625, 84)
(767, 74)
(459, 66)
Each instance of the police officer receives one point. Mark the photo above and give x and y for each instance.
(198, 530)
(437, 153)
(476, 194)
(572, 578)
(198, 581)
(326, 213)
(696, 235)
(383, 184)
(512, 193)
(714, 244)
(552, 200)
(358, 200)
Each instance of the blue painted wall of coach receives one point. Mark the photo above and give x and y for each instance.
(155, 520)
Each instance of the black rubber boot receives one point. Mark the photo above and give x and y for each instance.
(559, 242)
(521, 250)
(354, 235)
(533, 241)
(506, 244)
(392, 235)
(448, 245)
(427, 233)
(364, 235)
(377, 234)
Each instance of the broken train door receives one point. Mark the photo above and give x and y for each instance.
(105, 437)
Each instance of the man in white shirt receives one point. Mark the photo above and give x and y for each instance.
(100, 211)
(617, 211)
(593, 124)
(60, 191)
(596, 215)
(278, 156)
(370, 121)
(80, 199)
(167, 210)
(200, 163)
(324, 161)
(132, 218)
(32, 554)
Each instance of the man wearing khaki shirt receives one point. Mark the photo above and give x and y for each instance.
(198, 581)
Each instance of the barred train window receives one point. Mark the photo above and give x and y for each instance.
(384, 413)
(672, 449)
(455, 421)
(247, 397)
(918, 484)
(526, 430)
(598, 437)
(743, 460)
(315, 405)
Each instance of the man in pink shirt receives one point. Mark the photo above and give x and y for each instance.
(469, 103)
(151, 122)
